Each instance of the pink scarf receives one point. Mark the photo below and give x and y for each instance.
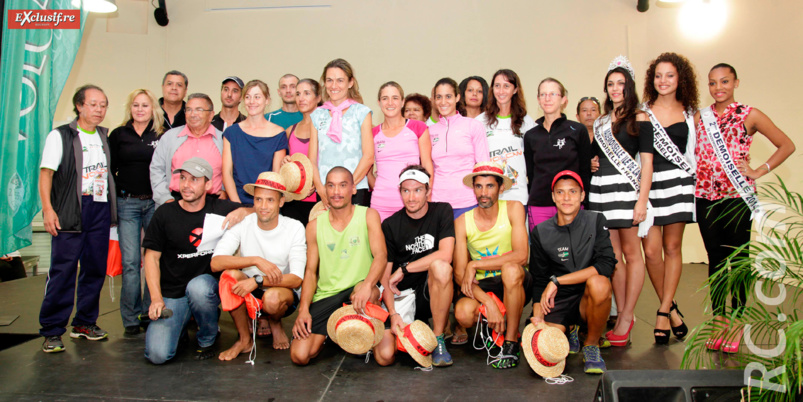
(336, 126)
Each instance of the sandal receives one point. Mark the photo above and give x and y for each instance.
(661, 335)
(681, 330)
(459, 338)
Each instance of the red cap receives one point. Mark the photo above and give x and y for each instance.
(568, 173)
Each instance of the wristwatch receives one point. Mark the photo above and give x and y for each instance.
(554, 280)
(258, 280)
(403, 267)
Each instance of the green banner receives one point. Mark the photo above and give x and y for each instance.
(35, 65)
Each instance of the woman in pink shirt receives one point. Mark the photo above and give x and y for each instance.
(308, 97)
(458, 143)
(398, 142)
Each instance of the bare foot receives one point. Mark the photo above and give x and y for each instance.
(263, 328)
(280, 340)
(239, 347)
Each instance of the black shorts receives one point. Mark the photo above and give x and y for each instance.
(322, 309)
(567, 308)
(419, 282)
(494, 284)
(258, 293)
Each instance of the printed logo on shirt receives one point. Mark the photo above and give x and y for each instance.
(421, 244)
(193, 255)
(354, 241)
(344, 254)
(561, 142)
(330, 246)
(435, 138)
(489, 133)
(380, 145)
(153, 144)
(195, 236)
(488, 253)
(563, 253)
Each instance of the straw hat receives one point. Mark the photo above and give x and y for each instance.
(298, 176)
(546, 349)
(419, 341)
(355, 333)
(488, 168)
(268, 180)
(317, 209)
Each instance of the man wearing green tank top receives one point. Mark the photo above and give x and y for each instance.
(346, 256)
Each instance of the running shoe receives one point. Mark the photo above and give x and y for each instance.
(91, 332)
(53, 344)
(574, 339)
(441, 356)
(205, 352)
(593, 360)
(509, 357)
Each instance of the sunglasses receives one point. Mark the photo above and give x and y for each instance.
(591, 98)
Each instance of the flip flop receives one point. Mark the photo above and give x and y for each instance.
(460, 339)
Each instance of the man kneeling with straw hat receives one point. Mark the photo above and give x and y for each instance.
(345, 258)
(273, 255)
(572, 261)
(418, 277)
(490, 252)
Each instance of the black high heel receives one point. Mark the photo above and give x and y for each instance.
(681, 330)
(661, 335)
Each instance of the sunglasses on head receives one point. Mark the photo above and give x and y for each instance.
(591, 98)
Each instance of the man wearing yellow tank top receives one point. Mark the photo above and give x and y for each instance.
(490, 253)
(346, 256)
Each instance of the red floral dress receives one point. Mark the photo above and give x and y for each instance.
(712, 182)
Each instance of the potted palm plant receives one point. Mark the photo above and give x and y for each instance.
(770, 268)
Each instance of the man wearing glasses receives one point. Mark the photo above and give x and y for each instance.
(78, 206)
(199, 138)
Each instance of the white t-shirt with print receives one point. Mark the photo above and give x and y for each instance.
(508, 149)
(94, 160)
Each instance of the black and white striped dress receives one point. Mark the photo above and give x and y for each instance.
(672, 191)
(610, 192)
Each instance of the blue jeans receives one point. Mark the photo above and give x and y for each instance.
(133, 216)
(200, 301)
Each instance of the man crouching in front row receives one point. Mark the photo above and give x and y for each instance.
(348, 243)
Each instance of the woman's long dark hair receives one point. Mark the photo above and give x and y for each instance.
(518, 106)
(461, 104)
(625, 114)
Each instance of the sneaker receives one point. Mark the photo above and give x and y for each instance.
(91, 332)
(205, 352)
(509, 357)
(593, 360)
(441, 356)
(53, 344)
(574, 339)
(132, 330)
(604, 343)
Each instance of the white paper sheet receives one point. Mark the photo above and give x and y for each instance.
(212, 232)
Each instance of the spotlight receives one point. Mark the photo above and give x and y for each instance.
(643, 5)
(160, 14)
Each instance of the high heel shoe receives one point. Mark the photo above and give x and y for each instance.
(718, 337)
(661, 335)
(732, 344)
(681, 330)
(620, 340)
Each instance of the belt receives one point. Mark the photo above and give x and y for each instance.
(141, 197)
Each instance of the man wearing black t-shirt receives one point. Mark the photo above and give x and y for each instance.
(420, 244)
(178, 274)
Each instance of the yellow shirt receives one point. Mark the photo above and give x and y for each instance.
(491, 243)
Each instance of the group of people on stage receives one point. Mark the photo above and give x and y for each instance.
(457, 200)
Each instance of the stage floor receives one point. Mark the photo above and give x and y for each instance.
(116, 368)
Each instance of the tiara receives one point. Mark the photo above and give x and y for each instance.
(623, 62)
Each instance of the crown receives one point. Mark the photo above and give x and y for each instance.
(622, 61)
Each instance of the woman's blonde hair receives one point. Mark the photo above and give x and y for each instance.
(156, 114)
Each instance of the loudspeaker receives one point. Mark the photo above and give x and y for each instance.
(160, 14)
(670, 386)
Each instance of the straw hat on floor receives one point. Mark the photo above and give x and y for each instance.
(419, 341)
(355, 333)
(546, 349)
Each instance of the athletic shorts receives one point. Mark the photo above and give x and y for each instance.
(419, 282)
(322, 309)
(567, 309)
(494, 284)
(258, 293)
